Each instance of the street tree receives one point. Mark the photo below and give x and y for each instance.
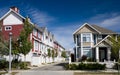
(63, 54)
(3, 45)
(115, 42)
(53, 55)
(49, 53)
(25, 44)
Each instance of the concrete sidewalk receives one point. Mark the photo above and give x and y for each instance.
(46, 73)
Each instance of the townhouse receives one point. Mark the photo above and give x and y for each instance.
(92, 41)
(41, 38)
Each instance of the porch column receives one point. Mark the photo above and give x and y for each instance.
(97, 54)
(76, 47)
(108, 53)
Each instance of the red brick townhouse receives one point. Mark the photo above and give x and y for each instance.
(41, 38)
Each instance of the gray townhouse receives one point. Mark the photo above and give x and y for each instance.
(92, 41)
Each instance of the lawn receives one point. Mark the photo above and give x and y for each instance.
(13, 73)
(2, 73)
(94, 73)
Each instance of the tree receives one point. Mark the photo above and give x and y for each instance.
(3, 46)
(63, 54)
(25, 44)
(53, 55)
(115, 42)
(49, 52)
(56, 52)
(15, 50)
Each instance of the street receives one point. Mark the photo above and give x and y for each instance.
(51, 67)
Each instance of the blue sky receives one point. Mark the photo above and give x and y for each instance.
(63, 17)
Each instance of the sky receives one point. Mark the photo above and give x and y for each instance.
(63, 17)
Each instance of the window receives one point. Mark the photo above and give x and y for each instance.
(99, 37)
(35, 45)
(39, 35)
(46, 37)
(8, 28)
(35, 32)
(86, 38)
(87, 51)
(50, 40)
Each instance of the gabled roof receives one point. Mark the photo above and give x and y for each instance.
(97, 28)
(102, 40)
(103, 30)
(10, 12)
(38, 28)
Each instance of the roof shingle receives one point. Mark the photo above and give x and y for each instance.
(103, 30)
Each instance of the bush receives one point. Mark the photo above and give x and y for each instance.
(23, 65)
(15, 63)
(84, 57)
(116, 66)
(83, 66)
(71, 66)
(3, 64)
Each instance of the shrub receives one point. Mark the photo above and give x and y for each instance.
(116, 66)
(15, 63)
(66, 66)
(23, 65)
(3, 64)
(84, 57)
(83, 66)
(73, 66)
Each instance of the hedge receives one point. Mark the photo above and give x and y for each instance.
(85, 66)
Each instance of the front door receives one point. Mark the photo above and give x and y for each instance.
(102, 54)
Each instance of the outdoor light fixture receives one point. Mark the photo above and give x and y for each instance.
(10, 38)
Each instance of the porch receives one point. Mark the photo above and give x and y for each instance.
(102, 54)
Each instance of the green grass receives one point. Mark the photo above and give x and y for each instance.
(94, 73)
(13, 73)
(2, 73)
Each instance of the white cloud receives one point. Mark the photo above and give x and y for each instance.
(64, 35)
(110, 21)
(38, 16)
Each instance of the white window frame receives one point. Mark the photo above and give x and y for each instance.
(35, 32)
(85, 35)
(8, 28)
(99, 37)
(39, 35)
(36, 45)
(87, 50)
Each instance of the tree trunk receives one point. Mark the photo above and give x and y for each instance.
(24, 61)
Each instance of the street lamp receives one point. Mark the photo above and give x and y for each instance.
(10, 37)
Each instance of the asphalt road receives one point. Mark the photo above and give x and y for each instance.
(51, 67)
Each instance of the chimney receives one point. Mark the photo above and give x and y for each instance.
(15, 9)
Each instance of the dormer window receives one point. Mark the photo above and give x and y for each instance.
(8, 28)
(99, 37)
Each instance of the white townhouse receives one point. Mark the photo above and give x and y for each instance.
(40, 38)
